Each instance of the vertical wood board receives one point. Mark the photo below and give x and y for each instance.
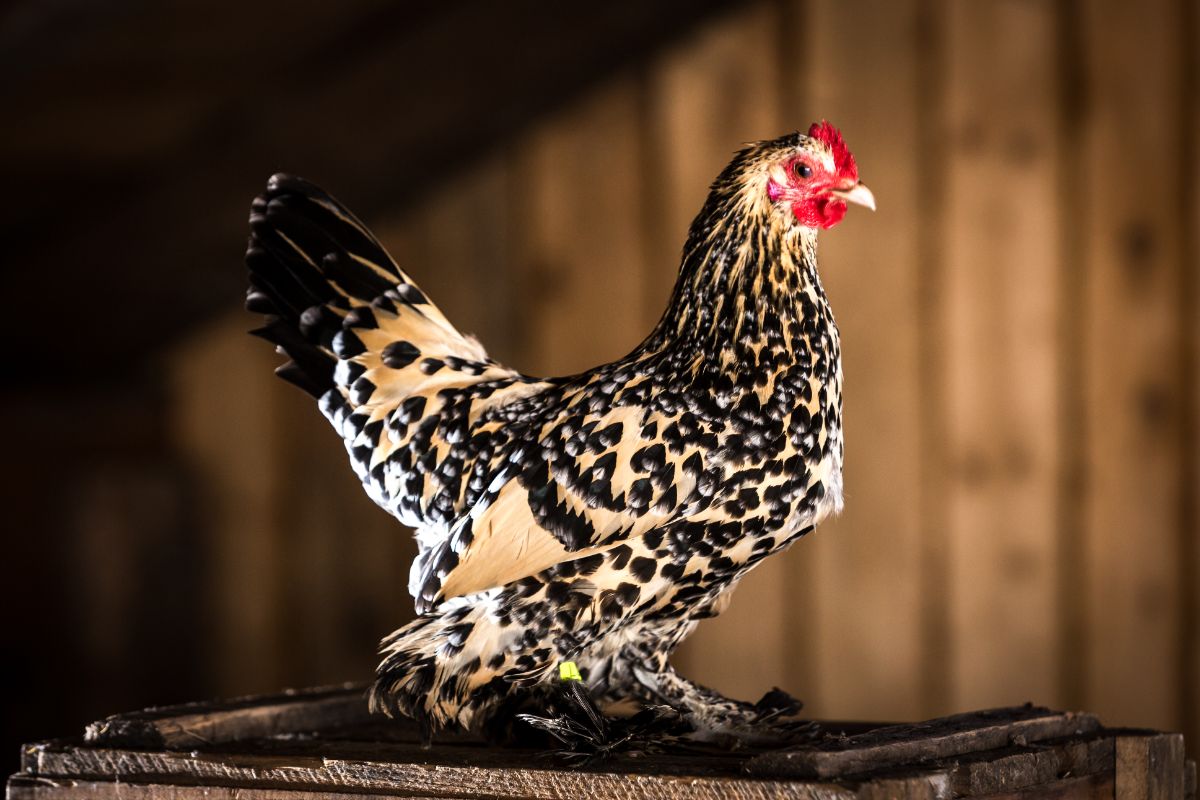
(224, 397)
(1132, 330)
(1000, 308)
(861, 75)
(577, 238)
(1190, 312)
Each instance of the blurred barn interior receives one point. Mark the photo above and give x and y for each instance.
(1018, 319)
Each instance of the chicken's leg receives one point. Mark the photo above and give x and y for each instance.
(721, 719)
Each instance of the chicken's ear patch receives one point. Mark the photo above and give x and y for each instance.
(831, 137)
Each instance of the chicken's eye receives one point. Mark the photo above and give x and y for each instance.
(802, 170)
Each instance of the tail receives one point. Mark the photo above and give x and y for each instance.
(324, 281)
(451, 667)
(302, 278)
(360, 336)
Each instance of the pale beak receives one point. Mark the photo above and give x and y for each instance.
(858, 193)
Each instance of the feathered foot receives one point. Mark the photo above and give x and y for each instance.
(589, 736)
(729, 723)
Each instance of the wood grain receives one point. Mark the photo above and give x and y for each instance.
(1089, 787)
(1150, 767)
(321, 743)
(209, 724)
(1189, 34)
(463, 784)
(930, 43)
(859, 68)
(413, 771)
(458, 246)
(224, 393)
(1083, 757)
(1000, 304)
(1132, 337)
(943, 738)
(577, 239)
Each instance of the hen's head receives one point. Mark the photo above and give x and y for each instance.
(814, 176)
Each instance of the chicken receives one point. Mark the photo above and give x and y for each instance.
(594, 518)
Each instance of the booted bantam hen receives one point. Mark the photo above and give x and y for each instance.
(594, 518)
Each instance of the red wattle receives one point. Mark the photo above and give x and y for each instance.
(832, 212)
(822, 212)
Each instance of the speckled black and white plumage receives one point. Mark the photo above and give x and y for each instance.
(594, 518)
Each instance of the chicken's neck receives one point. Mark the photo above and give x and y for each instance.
(741, 285)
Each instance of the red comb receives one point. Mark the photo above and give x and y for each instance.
(831, 137)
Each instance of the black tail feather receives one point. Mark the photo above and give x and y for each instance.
(306, 261)
(293, 374)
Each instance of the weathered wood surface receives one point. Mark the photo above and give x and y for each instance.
(899, 745)
(195, 724)
(322, 742)
(1023, 768)
(1150, 767)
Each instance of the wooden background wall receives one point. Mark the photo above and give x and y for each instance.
(1020, 336)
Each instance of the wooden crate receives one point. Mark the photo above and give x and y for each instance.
(323, 743)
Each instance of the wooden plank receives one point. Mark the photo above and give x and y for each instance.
(1071, 518)
(702, 101)
(440, 772)
(1150, 767)
(1000, 309)
(941, 738)
(1036, 766)
(930, 44)
(559, 786)
(325, 738)
(859, 64)
(320, 742)
(1088, 787)
(194, 724)
(1189, 32)
(1070, 769)
(353, 757)
(458, 246)
(223, 394)
(925, 786)
(1132, 330)
(577, 238)
(21, 787)
(130, 518)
